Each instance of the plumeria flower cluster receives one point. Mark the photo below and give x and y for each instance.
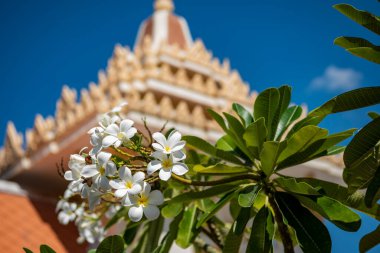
(121, 170)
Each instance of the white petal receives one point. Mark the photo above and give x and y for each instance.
(69, 175)
(131, 132)
(125, 173)
(146, 189)
(104, 183)
(138, 176)
(110, 169)
(159, 155)
(120, 193)
(125, 125)
(103, 158)
(165, 174)
(180, 169)
(151, 212)
(158, 147)
(129, 200)
(156, 198)
(178, 146)
(174, 138)
(178, 155)
(95, 150)
(89, 171)
(109, 140)
(136, 189)
(153, 166)
(112, 129)
(135, 213)
(117, 184)
(160, 138)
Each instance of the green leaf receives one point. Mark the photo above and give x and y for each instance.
(226, 143)
(155, 228)
(113, 243)
(210, 192)
(260, 240)
(121, 213)
(232, 242)
(186, 227)
(312, 235)
(92, 251)
(272, 150)
(130, 233)
(241, 221)
(360, 47)
(206, 147)
(169, 238)
(287, 118)
(219, 119)
(333, 211)
(220, 169)
(370, 240)
(27, 250)
(342, 195)
(301, 140)
(363, 18)
(285, 94)
(373, 115)
(172, 209)
(244, 114)
(266, 106)
(361, 156)
(255, 134)
(248, 195)
(373, 190)
(46, 249)
(291, 185)
(215, 208)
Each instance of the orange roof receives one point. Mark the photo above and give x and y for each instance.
(28, 222)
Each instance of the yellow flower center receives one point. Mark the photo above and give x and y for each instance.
(167, 149)
(167, 163)
(128, 184)
(102, 170)
(120, 136)
(143, 200)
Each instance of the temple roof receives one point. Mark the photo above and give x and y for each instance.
(165, 27)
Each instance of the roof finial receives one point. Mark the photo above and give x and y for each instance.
(163, 5)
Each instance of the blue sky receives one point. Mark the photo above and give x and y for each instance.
(46, 44)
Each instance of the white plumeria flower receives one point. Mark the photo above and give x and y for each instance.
(96, 139)
(67, 213)
(128, 184)
(90, 229)
(167, 164)
(92, 194)
(108, 119)
(99, 171)
(118, 135)
(119, 107)
(144, 203)
(76, 164)
(170, 145)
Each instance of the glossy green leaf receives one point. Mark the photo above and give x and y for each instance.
(218, 118)
(241, 221)
(260, 240)
(285, 95)
(232, 242)
(113, 243)
(363, 18)
(206, 147)
(186, 227)
(312, 235)
(248, 195)
(215, 208)
(373, 115)
(370, 240)
(360, 47)
(255, 134)
(266, 105)
(362, 157)
(271, 152)
(46, 249)
(155, 228)
(287, 118)
(301, 140)
(27, 250)
(220, 169)
(172, 209)
(130, 233)
(210, 192)
(291, 185)
(373, 190)
(170, 236)
(342, 195)
(244, 114)
(226, 143)
(334, 211)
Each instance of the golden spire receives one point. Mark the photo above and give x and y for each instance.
(163, 5)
